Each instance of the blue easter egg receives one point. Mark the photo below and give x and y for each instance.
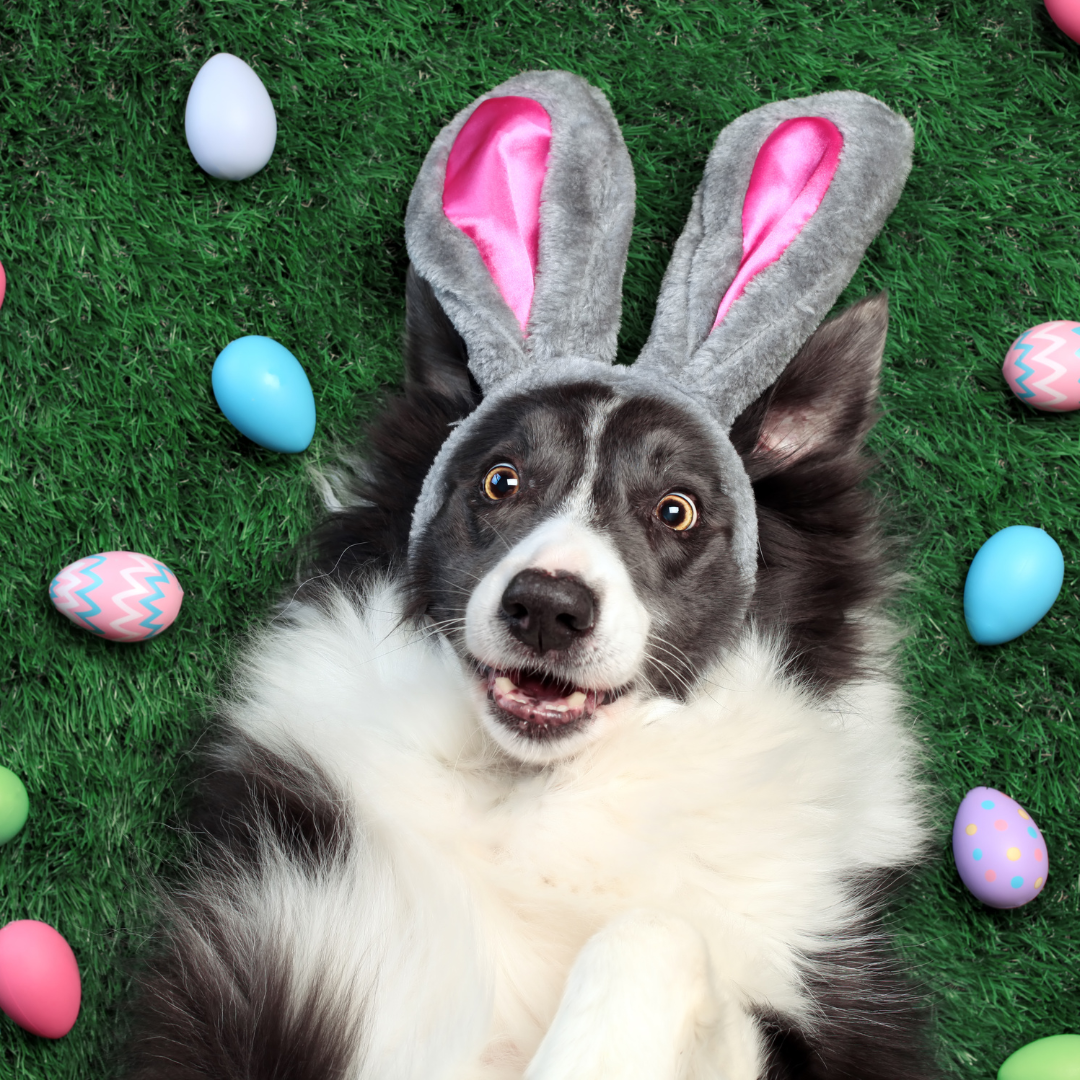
(263, 392)
(1013, 582)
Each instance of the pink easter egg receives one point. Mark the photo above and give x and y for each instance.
(3, 284)
(119, 595)
(1000, 854)
(40, 988)
(1066, 13)
(1042, 366)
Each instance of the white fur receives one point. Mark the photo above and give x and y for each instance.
(682, 864)
(578, 505)
(636, 1002)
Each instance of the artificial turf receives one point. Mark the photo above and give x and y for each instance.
(129, 269)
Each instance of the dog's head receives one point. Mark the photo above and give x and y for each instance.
(588, 533)
(583, 556)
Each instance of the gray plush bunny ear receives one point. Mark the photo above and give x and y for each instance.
(793, 194)
(520, 220)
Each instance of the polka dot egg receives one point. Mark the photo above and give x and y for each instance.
(999, 851)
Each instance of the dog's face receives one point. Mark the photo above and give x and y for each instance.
(582, 560)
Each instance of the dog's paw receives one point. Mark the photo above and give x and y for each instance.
(637, 998)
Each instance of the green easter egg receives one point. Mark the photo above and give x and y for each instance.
(1057, 1057)
(14, 804)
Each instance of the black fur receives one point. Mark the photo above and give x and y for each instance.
(234, 1015)
(871, 1025)
(217, 1002)
(246, 790)
(822, 555)
(872, 1021)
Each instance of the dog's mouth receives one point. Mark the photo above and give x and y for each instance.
(538, 705)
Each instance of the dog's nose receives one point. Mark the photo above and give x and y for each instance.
(548, 611)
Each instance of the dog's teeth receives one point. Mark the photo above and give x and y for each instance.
(576, 699)
(504, 685)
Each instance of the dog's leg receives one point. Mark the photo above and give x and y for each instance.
(640, 1005)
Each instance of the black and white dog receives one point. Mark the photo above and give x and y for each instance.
(578, 755)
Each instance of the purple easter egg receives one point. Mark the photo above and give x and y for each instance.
(1000, 854)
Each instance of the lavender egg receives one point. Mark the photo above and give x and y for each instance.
(1000, 853)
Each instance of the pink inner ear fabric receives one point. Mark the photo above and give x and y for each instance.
(793, 170)
(494, 176)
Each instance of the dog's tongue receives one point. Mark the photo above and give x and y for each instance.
(539, 698)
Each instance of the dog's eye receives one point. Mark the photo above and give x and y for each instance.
(501, 481)
(677, 511)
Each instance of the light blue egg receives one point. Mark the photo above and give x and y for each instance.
(263, 392)
(1013, 582)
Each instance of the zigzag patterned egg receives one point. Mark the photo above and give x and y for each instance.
(119, 595)
(1042, 366)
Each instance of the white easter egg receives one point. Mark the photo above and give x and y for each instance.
(230, 123)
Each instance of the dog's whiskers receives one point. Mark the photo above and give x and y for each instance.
(678, 677)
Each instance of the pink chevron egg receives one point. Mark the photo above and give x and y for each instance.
(1042, 366)
(119, 595)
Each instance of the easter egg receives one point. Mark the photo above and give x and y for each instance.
(229, 121)
(1012, 583)
(1066, 15)
(40, 988)
(1042, 366)
(1057, 1057)
(263, 392)
(1000, 854)
(119, 595)
(14, 805)
(3, 284)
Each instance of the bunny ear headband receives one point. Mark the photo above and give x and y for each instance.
(520, 221)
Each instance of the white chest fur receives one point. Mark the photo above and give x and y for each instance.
(743, 815)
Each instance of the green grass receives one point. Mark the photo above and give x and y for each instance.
(129, 269)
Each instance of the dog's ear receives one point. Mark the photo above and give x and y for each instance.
(435, 355)
(793, 193)
(825, 401)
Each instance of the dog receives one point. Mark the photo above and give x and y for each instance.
(577, 750)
